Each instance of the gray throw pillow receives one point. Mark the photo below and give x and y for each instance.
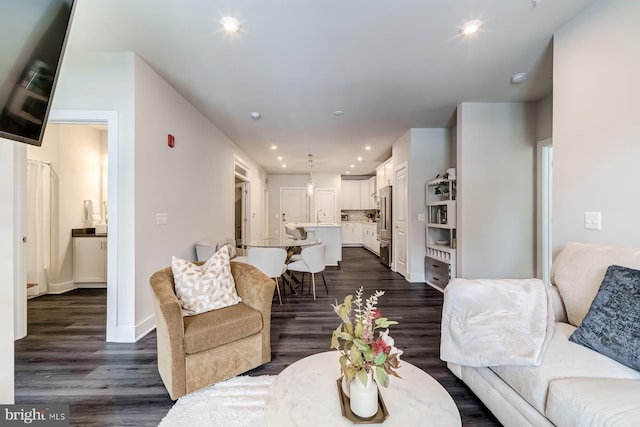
(612, 325)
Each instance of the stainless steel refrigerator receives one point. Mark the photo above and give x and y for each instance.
(384, 225)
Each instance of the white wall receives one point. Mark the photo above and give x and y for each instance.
(11, 272)
(544, 118)
(193, 182)
(496, 190)
(427, 153)
(596, 129)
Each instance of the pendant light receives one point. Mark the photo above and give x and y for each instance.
(310, 181)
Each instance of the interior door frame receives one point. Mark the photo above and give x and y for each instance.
(88, 117)
(544, 210)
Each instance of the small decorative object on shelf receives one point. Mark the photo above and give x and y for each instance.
(366, 360)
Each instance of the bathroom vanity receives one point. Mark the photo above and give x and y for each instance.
(89, 258)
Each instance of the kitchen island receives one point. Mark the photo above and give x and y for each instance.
(329, 233)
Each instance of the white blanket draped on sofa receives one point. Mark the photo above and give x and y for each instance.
(488, 322)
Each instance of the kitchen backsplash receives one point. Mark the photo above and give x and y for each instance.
(353, 215)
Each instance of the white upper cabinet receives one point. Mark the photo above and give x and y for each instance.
(384, 174)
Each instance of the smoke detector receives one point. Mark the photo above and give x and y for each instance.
(518, 78)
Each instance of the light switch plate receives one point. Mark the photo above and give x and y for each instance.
(421, 217)
(162, 218)
(593, 221)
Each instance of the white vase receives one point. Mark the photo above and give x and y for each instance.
(345, 386)
(363, 399)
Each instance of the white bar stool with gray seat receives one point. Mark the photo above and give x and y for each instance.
(312, 262)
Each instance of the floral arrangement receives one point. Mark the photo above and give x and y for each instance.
(361, 350)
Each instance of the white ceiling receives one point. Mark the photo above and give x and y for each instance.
(389, 65)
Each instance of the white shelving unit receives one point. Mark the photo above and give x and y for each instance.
(440, 260)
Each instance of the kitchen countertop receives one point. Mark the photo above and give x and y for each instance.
(362, 222)
(315, 224)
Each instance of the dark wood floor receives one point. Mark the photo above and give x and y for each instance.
(64, 358)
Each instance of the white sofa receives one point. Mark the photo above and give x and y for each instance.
(573, 385)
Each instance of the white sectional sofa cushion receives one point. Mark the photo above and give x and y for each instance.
(532, 382)
(589, 402)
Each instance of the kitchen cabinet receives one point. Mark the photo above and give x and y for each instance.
(365, 200)
(358, 194)
(351, 234)
(90, 259)
(351, 197)
(370, 237)
(384, 174)
(373, 192)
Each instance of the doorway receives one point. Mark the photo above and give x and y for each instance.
(240, 212)
(110, 120)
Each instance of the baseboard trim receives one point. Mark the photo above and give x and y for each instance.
(61, 288)
(89, 285)
(146, 326)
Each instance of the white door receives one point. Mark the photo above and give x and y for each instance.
(326, 205)
(400, 218)
(294, 206)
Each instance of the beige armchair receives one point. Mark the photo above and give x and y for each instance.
(197, 351)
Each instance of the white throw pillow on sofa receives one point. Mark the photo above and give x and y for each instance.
(206, 287)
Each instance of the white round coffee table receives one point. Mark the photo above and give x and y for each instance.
(306, 394)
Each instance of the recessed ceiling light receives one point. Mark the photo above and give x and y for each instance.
(352, 166)
(470, 28)
(368, 147)
(273, 147)
(338, 113)
(255, 115)
(284, 166)
(518, 78)
(347, 172)
(359, 158)
(230, 25)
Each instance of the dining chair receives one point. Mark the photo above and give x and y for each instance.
(298, 257)
(312, 262)
(271, 261)
(295, 232)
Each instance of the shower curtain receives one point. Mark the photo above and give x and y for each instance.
(38, 247)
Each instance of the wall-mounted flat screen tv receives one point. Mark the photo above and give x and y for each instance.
(33, 35)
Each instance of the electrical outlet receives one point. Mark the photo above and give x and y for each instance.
(592, 221)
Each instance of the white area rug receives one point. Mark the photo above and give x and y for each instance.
(237, 402)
